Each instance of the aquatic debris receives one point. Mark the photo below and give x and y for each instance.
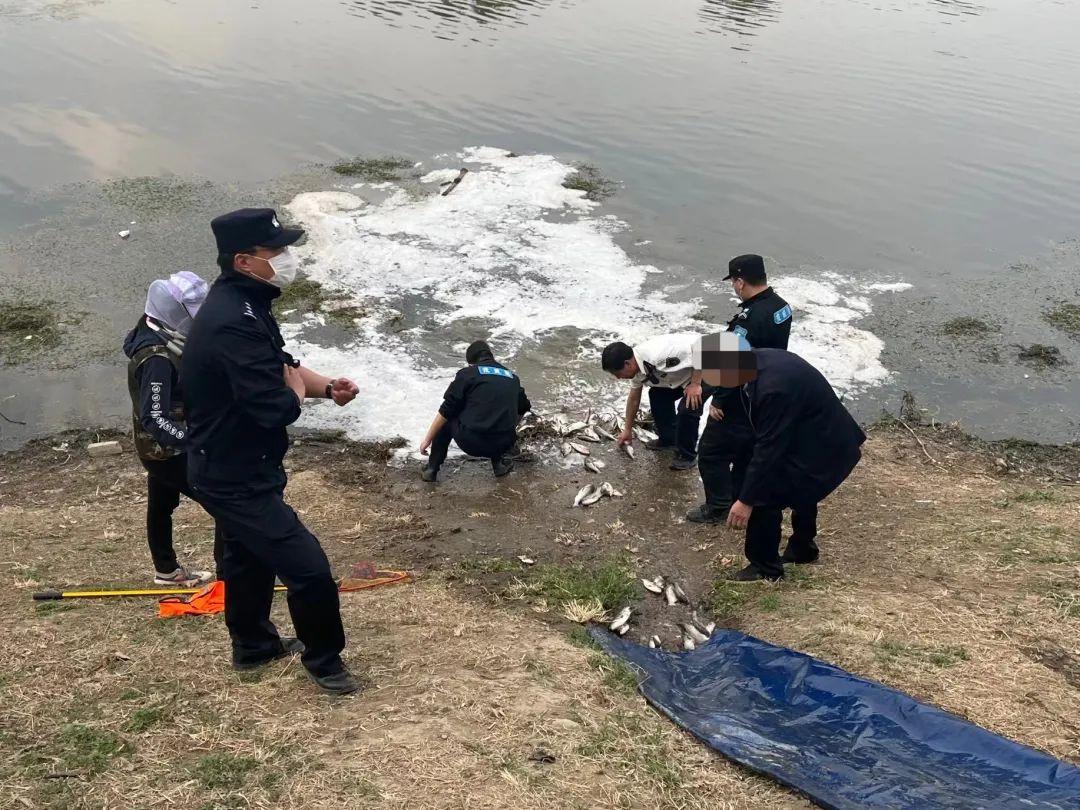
(583, 611)
(579, 448)
(124, 234)
(452, 184)
(622, 619)
(628, 449)
(669, 595)
(526, 560)
(583, 493)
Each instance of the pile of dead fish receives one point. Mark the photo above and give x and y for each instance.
(591, 493)
(693, 632)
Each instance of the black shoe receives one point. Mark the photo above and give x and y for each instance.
(683, 463)
(501, 466)
(707, 514)
(799, 556)
(338, 683)
(656, 444)
(289, 646)
(429, 474)
(752, 574)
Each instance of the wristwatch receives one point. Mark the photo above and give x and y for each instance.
(330, 389)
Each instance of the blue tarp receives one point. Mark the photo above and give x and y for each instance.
(844, 741)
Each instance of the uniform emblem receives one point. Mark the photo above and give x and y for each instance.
(248, 311)
(782, 314)
(740, 331)
(488, 371)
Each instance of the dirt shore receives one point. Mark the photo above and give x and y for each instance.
(950, 570)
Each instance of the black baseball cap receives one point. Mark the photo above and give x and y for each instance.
(749, 266)
(247, 228)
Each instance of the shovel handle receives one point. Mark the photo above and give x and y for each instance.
(45, 596)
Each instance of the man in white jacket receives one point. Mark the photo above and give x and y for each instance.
(664, 364)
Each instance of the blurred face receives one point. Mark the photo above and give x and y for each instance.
(729, 369)
(256, 262)
(628, 371)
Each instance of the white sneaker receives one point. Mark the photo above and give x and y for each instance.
(183, 578)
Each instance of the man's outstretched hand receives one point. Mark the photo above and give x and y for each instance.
(738, 515)
(343, 391)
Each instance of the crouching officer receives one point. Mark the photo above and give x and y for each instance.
(804, 444)
(480, 411)
(154, 348)
(764, 321)
(242, 389)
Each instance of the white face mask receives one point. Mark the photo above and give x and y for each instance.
(284, 265)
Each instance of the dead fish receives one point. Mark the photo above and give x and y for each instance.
(694, 633)
(599, 431)
(583, 493)
(574, 427)
(628, 449)
(592, 497)
(621, 620)
(606, 489)
(624, 630)
(656, 643)
(688, 643)
(566, 449)
(669, 595)
(590, 465)
(681, 593)
(613, 493)
(579, 448)
(526, 560)
(707, 629)
(589, 435)
(652, 586)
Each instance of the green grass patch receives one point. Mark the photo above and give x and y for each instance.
(728, 598)
(1041, 356)
(223, 770)
(1065, 317)
(1035, 496)
(588, 178)
(967, 326)
(374, 170)
(145, 718)
(770, 602)
(616, 674)
(895, 653)
(303, 294)
(89, 748)
(623, 742)
(486, 565)
(610, 582)
(52, 607)
(580, 637)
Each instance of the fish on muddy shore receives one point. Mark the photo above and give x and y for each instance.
(599, 431)
(588, 435)
(645, 435)
(583, 493)
(526, 560)
(566, 449)
(655, 643)
(574, 427)
(592, 497)
(628, 449)
(607, 489)
(622, 619)
(694, 633)
(654, 585)
(702, 627)
(624, 630)
(680, 593)
(688, 643)
(669, 595)
(592, 466)
(579, 448)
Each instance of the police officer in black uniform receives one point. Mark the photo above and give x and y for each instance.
(480, 411)
(242, 389)
(764, 321)
(804, 445)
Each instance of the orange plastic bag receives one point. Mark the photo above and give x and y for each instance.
(209, 600)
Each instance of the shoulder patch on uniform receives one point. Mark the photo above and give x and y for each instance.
(782, 314)
(742, 315)
(488, 371)
(740, 331)
(248, 311)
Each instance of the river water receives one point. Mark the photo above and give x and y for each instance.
(899, 162)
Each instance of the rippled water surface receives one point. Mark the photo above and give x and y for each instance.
(931, 142)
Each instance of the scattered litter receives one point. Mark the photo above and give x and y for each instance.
(98, 449)
(124, 234)
(454, 183)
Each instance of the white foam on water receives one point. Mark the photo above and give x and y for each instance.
(520, 256)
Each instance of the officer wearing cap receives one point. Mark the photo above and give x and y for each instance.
(764, 321)
(242, 389)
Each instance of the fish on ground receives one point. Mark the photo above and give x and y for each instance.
(592, 497)
(654, 585)
(628, 449)
(579, 448)
(622, 619)
(669, 595)
(583, 493)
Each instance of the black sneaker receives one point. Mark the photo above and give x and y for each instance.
(502, 466)
(799, 557)
(429, 474)
(707, 514)
(751, 574)
(683, 463)
(656, 444)
(289, 646)
(339, 683)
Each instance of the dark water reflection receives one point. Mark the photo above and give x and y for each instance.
(452, 19)
(744, 17)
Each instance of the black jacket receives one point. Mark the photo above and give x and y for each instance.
(805, 441)
(486, 398)
(233, 374)
(765, 321)
(159, 394)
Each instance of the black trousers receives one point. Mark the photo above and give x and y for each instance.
(481, 445)
(166, 481)
(724, 443)
(763, 530)
(676, 423)
(264, 538)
